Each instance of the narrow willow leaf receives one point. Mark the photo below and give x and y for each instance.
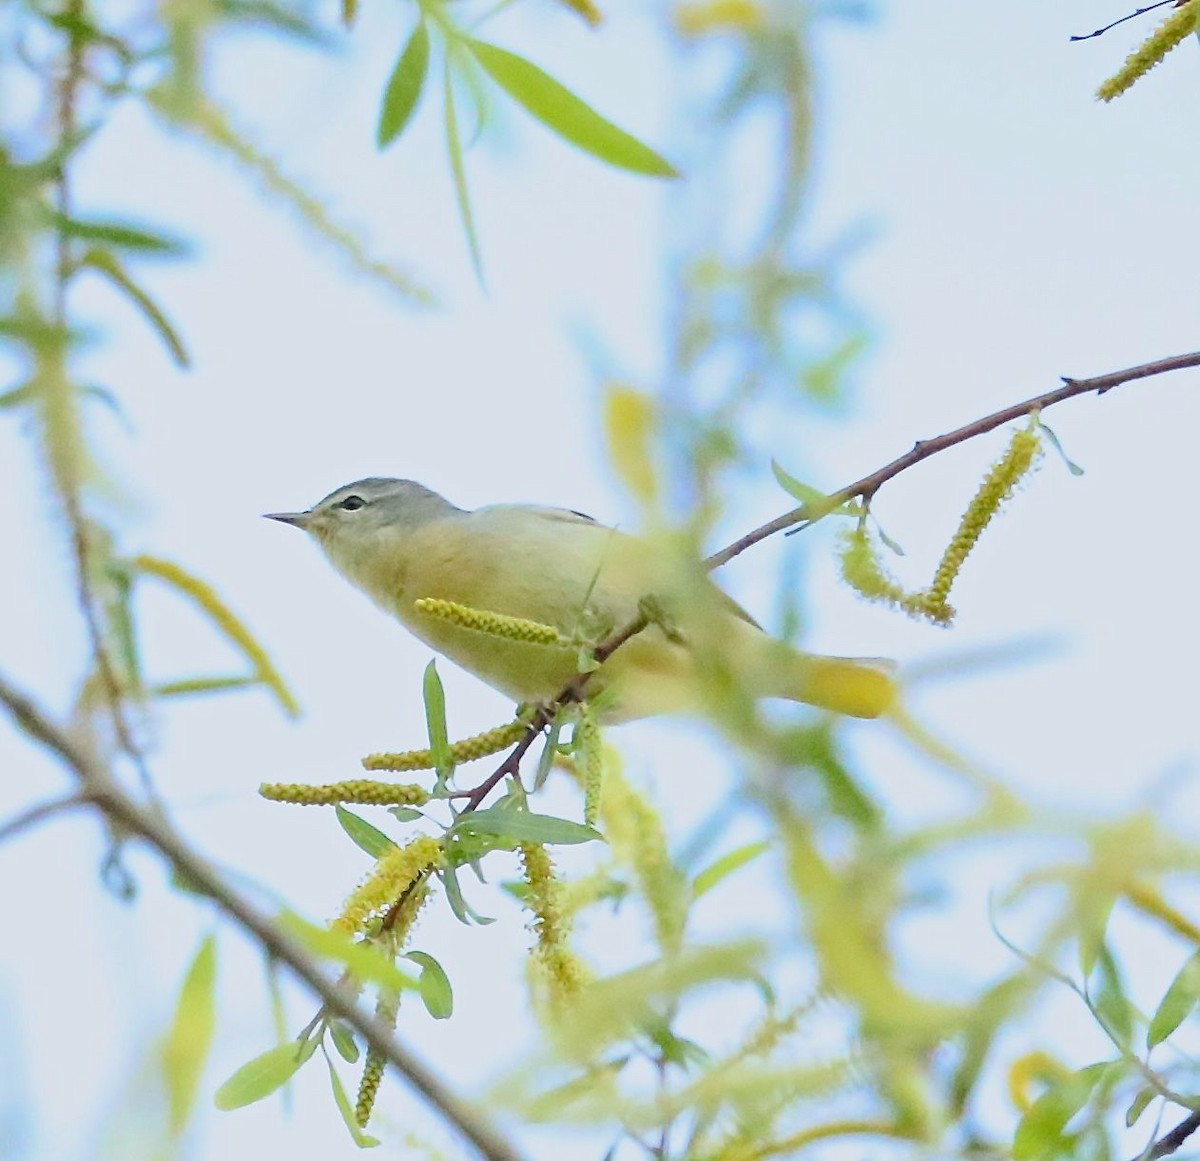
(527, 827)
(436, 991)
(361, 1139)
(365, 962)
(816, 502)
(18, 396)
(343, 1041)
(405, 813)
(561, 111)
(454, 148)
(205, 598)
(259, 1078)
(105, 263)
(185, 1051)
(120, 617)
(1040, 1131)
(192, 685)
(364, 836)
(1111, 1005)
(435, 724)
(716, 872)
(462, 910)
(404, 87)
(119, 234)
(1139, 1105)
(1177, 1004)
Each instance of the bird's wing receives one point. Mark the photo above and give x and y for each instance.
(567, 515)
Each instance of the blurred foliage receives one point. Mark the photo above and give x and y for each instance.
(821, 1023)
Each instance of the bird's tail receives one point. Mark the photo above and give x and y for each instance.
(861, 687)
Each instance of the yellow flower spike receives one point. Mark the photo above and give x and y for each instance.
(1024, 450)
(1168, 35)
(590, 748)
(394, 871)
(708, 16)
(468, 750)
(863, 571)
(387, 1008)
(360, 791)
(635, 832)
(493, 624)
(562, 971)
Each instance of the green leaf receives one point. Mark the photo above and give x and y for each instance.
(361, 1139)
(365, 962)
(19, 396)
(1111, 1005)
(405, 813)
(343, 1041)
(458, 168)
(120, 617)
(561, 111)
(364, 836)
(817, 503)
(187, 686)
(259, 1078)
(1040, 1131)
(105, 263)
(404, 87)
(714, 873)
(185, 1051)
(435, 723)
(1177, 1004)
(462, 910)
(436, 991)
(525, 826)
(119, 234)
(1139, 1104)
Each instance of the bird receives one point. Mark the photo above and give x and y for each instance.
(401, 543)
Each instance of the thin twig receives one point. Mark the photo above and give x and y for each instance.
(39, 813)
(110, 797)
(1129, 16)
(66, 102)
(1166, 1145)
(866, 488)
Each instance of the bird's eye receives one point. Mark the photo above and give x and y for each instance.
(352, 503)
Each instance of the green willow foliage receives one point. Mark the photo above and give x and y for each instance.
(840, 1037)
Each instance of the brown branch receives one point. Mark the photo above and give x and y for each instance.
(98, 784)
(66, 111)
(866, 488)
(572, 692)
(1167, 1144)
(42, 811)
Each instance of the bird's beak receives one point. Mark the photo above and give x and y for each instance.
(295, 519)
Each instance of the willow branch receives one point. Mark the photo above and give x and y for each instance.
(40, 812)
(97, 784)
(866, 488)
(1170, 1142)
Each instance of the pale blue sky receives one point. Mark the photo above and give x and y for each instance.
(1021, 231)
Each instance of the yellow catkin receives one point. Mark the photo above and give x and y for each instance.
(863, 571)
(225, 620)
(361, 791)
(709, 16)
(562, 970)
(394, 871)
(635, 832)
(590, 748)
(1024, 450)
(468, 750)
(586, 9)
(387, 1008)
(1168, 35)
(493, 624)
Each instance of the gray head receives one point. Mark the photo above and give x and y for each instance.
(365, 508)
